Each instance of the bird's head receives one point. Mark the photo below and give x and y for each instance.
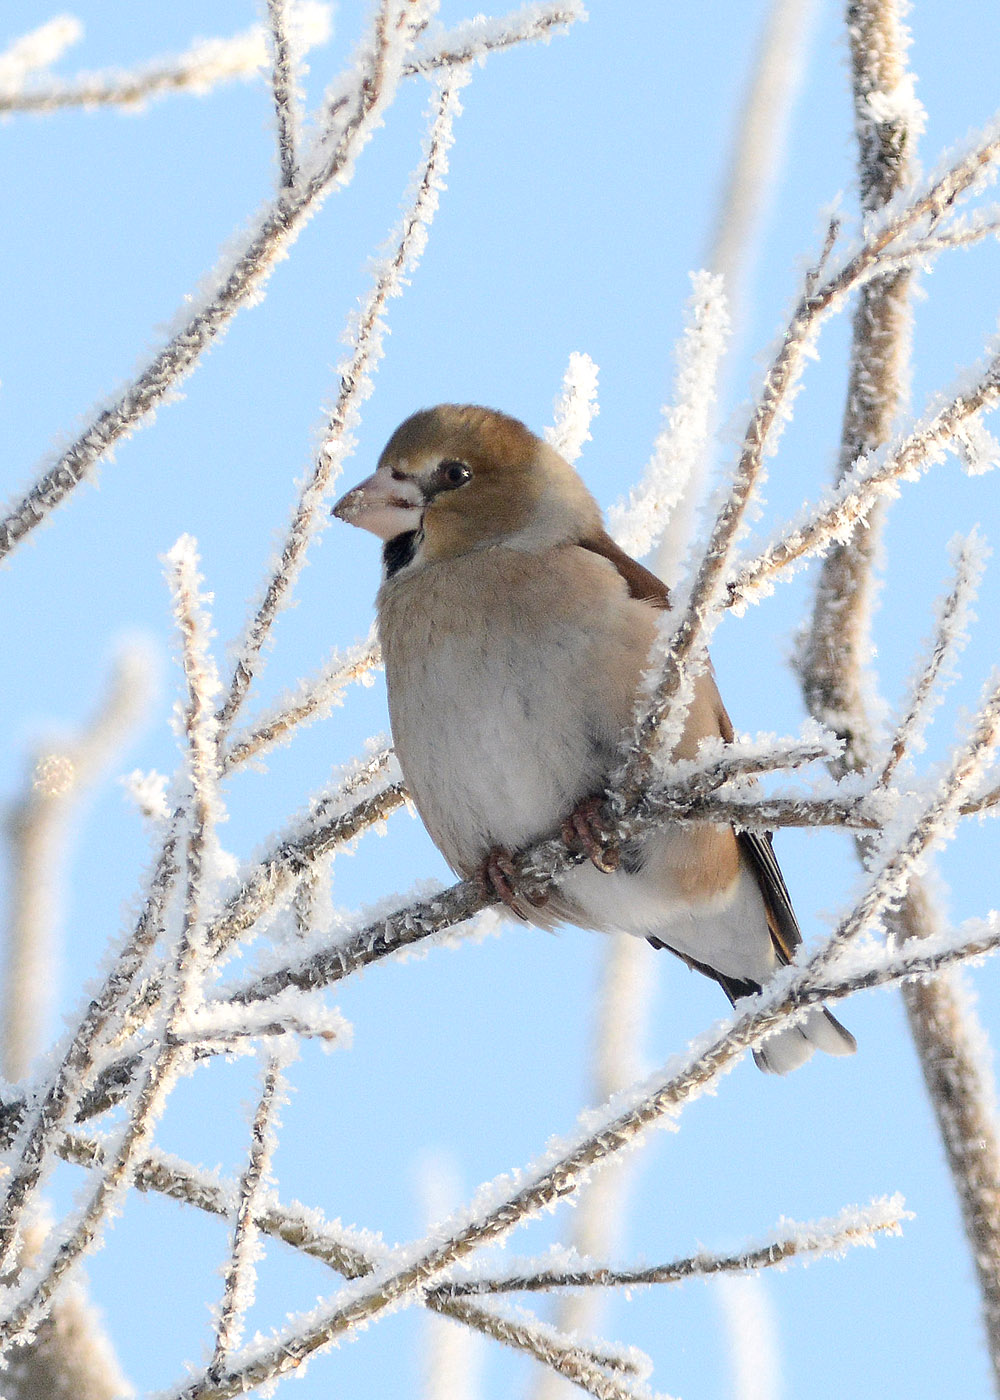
(458, 477)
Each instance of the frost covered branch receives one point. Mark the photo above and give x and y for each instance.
(834, 659)
(37, 50)
(789, 1240)
(355, 114)
(240, 1272)
(575, 408)
(205, 65)
(475, 39)
(37, 1286)
(271, 879)
(537, 867)
(888, 119)
(236, 284)
(956, 1060)
(659, 510)
(509, 1202)
(949, 637)
(419, 920)
(176, 995)
(355, 1254)
(869, 481)
(286, 99)
(825, 291)
(313, 700)
(355, 385)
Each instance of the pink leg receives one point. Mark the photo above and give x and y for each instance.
(585, 830)
(497, 877)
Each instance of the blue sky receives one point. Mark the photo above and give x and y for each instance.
(582, 192)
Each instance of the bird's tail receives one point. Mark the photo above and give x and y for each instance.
(786, 1050)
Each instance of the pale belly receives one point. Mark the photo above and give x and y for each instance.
(489, 751)
(490, 663)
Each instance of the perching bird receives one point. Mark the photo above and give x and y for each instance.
(514, 633)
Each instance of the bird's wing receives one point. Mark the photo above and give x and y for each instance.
(642, 584)
(756, 846)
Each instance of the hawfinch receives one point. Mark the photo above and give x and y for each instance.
(514, 633)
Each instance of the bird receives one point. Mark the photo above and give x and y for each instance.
(515, 634)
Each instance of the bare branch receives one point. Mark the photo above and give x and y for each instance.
(239, 1275)
(870, 480)
(36, 1287)
(836, 656)
(563, 1169)
(356, 114)
(553, 1177)
(788, 1240)
(206, 65)
(355, 386)
(956, 1060)
(689, 633)
(949, 637)
(313, 700)
(473, 40)
(286, 99)
(303, 1229)
(37, 827)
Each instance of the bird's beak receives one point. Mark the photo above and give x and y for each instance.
(383, 504)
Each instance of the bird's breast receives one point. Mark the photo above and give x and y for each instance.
(490, 662)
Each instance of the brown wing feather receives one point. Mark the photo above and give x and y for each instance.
(642, 584)
(756, 846)
(785, 931)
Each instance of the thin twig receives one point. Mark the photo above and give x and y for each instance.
(948, 639)
(207, 64)
(239, 1285)
(314, 699)
(473, 40)
(833, 662)
(689, 633)
(561, 1172)
(351, 123)
(869, 480)
(42, 1121)
(553, 1178)
(283, 87)
(789, 1240)
(355, 386)
(304, 1230)
(35, 1291)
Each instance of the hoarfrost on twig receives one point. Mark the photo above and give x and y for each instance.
(575, 408)
(366, 334)
(660, 510)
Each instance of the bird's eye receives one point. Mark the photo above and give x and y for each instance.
(452, 474)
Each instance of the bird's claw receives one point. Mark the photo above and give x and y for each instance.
(585, 831)
(497, 877)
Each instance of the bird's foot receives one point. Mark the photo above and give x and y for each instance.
(586, 832)
(497, 879)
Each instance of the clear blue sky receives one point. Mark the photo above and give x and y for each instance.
(582, 192)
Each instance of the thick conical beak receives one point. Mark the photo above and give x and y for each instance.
(383, 504)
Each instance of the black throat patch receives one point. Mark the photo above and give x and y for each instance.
(399, 551)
